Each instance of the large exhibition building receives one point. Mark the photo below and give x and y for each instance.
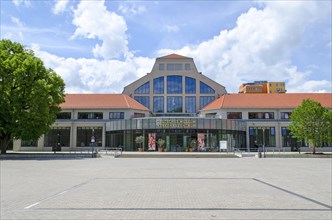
(177, 108)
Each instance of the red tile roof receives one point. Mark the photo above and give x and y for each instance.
(101, 101)
(285, 100)
(174, 56)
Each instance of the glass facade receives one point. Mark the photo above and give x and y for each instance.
(205, 89)
(158, 104)
(85, 134)
(143, 89)
(190, 85)
(144, 100)
(174, 84)
(190, 104)
(204, 100)
(158, 85)
(261, 136)
(174, 104)
(57, 135)
(179, 134)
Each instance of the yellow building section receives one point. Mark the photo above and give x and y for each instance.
(276, 87)
(262, 87)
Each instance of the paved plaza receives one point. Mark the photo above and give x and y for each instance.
(166, 188)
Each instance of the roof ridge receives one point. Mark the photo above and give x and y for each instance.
(125, 97)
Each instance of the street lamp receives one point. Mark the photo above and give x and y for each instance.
(264, 141)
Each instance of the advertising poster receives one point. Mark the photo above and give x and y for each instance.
(152, 141)
(201, 141)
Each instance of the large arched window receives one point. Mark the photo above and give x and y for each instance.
(143, 89)
(158, 85)
(174, 84)
(204, 100)
(158, 104)
(174, 104)
(144, 100)
(190, 85)
(205, 89)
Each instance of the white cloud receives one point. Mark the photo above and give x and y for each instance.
(60, 6)
(16, 21)
(260, 47)
(94, 21)
(171, 28)
(130, 8)
(19, 2)
(95, 76)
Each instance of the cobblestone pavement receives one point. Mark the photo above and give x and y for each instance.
(166, 188)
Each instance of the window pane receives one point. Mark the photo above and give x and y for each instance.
(187, 66)
(144, 100)
(174, 104)
(84, 135)
(57, 135)
(90, 115)
(64, 115)
(158, 104)
(174, 66)
(190, 85)
(190, 104)
(143, 89)
(205, 89)
(116, 115)
(174, 84)
(158, 85)
(261, 115)
(161, 66)
(234, 115)
(204, 100)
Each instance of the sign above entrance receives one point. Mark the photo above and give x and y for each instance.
(176, 123)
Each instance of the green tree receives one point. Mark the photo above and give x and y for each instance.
(30, 94)
(312, 122)
(139, 140)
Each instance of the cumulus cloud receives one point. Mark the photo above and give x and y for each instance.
(94, 21)
(260, 47)
(95, 76)
(60, 6)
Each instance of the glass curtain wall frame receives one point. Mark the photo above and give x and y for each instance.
(57, 135)
(84, 134)
(261, 136)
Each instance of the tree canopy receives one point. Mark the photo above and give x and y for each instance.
(312, 122)
(30, 94)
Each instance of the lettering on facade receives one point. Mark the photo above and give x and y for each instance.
(176, 123)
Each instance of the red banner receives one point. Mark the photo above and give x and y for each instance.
(152, 141)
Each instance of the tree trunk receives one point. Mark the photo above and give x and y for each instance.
(314, 147)
(5, 139)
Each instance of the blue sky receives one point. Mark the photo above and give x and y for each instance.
(101, 46)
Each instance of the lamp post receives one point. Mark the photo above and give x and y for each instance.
(264, 140)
